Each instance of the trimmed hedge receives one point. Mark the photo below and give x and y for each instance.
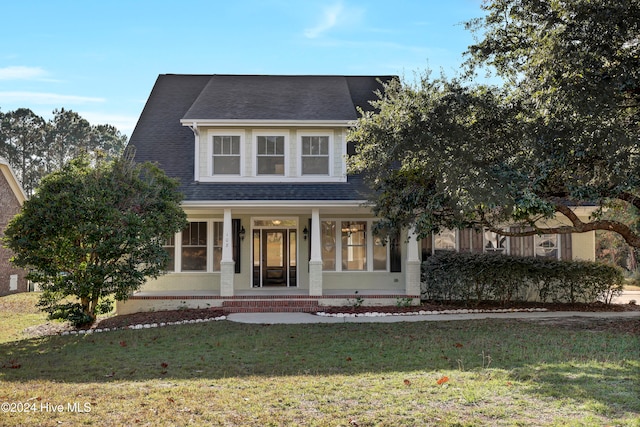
(471, 278)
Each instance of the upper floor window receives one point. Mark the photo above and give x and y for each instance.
(226, 155)
(315, 155)
(270, 155)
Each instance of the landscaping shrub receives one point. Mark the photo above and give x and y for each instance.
(471, 278)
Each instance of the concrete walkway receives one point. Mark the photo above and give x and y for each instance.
(298, 318)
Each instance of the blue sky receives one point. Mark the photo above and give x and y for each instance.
(101, 58)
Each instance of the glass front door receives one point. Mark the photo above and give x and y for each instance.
(274, 257)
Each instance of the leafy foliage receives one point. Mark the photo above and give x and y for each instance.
(95, 231)
(473, 278)
(561, 131)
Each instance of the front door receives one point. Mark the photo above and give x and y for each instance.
(274, 257)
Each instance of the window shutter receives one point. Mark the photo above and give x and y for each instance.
(464, 240)
(528, 243)
(477, 244)
(427, 247)
(395, 254)
(309, 239)
(235, 229)
(566, 249)
(515, 243)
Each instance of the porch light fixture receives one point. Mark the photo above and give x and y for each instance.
(305, 232)
(242, 232)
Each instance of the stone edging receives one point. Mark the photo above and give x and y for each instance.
(424, 312)
(320, 313)
(141, 326)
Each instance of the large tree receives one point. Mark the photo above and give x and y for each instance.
(34, 147)
(561, 131)
(22, 143)
(94, 231)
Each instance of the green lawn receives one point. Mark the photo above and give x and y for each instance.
(223, 373)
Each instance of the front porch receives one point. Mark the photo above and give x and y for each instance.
(262, 300)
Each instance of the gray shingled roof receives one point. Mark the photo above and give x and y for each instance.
(160, 137)
(274, 98)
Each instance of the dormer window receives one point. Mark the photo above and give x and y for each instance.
(270, 154)
(315, 155)
(249, 154)
(226, 155)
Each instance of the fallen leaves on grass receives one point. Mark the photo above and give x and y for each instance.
(442, 380)
(12, 365)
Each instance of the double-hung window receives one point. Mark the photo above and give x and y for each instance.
(194, 247)
(347, 246)
(226, 155)
(354, 245)
(315, 155)
(170, 248)
(270, 154)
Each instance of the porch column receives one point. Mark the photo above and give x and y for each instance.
(227, 265)
(315, 263)
(412, 271)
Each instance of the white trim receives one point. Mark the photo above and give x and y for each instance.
(210, 177)
(210, 247)
(269, 123)
(286, 134)
(274, 178)
(196, 151)
(12, 180)
(274, 203)
(331, 147)
(288, 228)
(369, 246)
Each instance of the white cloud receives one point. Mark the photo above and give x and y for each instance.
(22, 73)
(44, 98)
(124, 124)
(332, 17)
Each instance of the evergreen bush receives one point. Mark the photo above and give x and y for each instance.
(472, 278)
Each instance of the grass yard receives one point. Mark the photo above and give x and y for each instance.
(495, 372)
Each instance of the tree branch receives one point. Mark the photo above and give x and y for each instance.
(577, 226)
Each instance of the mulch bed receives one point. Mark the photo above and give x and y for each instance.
(631, 326)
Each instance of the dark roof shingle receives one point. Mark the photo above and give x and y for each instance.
(160, 137)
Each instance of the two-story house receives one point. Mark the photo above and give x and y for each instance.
(275, 221)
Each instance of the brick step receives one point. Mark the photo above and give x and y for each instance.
(270, 306)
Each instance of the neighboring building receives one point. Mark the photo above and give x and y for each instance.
(12, 196)
(275, 222)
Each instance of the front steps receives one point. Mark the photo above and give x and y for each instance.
(271, 306)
